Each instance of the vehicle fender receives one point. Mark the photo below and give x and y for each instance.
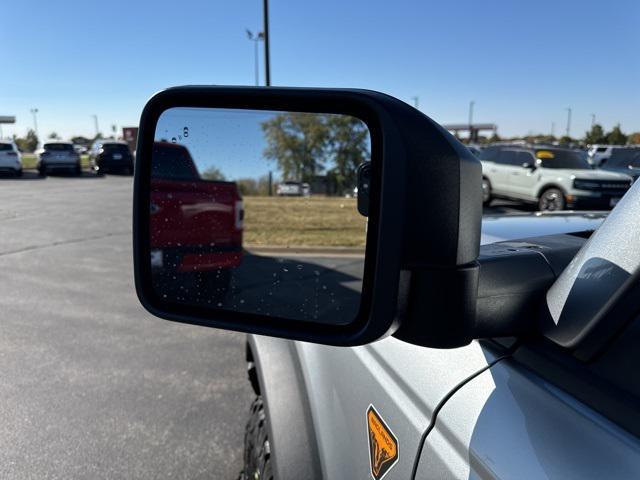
(292, 440)
(548, 185)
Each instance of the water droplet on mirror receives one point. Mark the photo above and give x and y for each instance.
(185, 132)
(299, 267)
(174, 140)
(285, 269)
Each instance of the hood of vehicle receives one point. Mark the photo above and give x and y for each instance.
(499, 228)
(634, 172)
(597, 175)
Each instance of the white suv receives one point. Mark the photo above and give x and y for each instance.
(10, 158)
(600, 153)
(554, 178)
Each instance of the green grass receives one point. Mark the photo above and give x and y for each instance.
(315, 221)
(29, 161)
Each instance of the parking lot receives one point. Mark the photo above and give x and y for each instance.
(92, 386)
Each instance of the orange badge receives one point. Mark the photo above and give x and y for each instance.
(383, 445)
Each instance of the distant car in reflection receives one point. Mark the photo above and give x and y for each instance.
(58, 156)
(108, 156)
(293, 189)
(195, 226)
(10, 158)
(623, 160)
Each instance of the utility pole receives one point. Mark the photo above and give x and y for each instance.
(95, 123)
(593, 119)
(553, 129)
(471, 135)
(569, 122)
(265, 29)
(255, 39)
(415, 101)
(34, 112)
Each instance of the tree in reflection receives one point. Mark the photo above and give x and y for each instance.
(308, 144)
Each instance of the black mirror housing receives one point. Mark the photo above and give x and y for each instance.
(424, 214)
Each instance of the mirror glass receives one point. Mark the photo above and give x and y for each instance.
(257, 211)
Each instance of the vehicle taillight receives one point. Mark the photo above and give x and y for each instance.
(239, 215)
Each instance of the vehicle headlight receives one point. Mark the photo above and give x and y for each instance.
(585, 185)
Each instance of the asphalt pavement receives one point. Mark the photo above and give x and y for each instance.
(92, 386)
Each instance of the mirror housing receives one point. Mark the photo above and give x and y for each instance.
(424, 204)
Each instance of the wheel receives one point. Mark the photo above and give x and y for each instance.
(42, 171)
(257, 450)
(486, 192)
(78, 170)
(19, 173)
(551, 199)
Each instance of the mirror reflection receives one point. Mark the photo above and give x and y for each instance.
(257, 211)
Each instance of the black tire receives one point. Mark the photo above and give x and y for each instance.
(19, 173)
(257, 450)
(42, 171)
(78, 170)
(486, 192)
(551, 200)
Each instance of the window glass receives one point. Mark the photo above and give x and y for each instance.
(5, 147)
(508, 157)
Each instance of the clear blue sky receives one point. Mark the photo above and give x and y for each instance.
(522, 62)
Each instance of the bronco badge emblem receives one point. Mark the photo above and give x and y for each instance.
(383, 445)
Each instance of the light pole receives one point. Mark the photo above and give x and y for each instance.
(265, 29)
(569, 122)
(95, 124)
(593, 119)
(34, 112)
(415, 101)
(255, 39)
(553, 129)
(471, 104)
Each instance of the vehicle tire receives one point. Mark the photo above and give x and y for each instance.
(257, 450)
(78, 170)
(552, 199)
(42, 171)
(19, 173)
(486, 192)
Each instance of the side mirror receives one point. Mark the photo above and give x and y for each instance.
(215, 246)
(529, 166)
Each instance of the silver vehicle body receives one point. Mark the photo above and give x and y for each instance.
(597, 153)
(460, 413)
(10, 158)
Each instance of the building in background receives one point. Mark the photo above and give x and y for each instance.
(130, 135)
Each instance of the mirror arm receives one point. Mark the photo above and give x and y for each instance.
(500, 295)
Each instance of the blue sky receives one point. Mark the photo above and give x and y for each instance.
(522, 63)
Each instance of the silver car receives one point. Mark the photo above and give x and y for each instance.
(58, 156)
(10, 158)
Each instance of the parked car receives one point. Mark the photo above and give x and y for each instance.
(195, 225)
(553, 178)
(108, 156)
(599, 153)
(58, 156)
(499, 348)
(10, 158)
(293, 189)
(623, 160)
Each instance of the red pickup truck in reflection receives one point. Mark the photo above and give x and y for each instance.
(196, 225)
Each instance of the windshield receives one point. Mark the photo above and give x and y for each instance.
(6, 147)
(58, 147)
(574, 160)
(172, 162)
(115, 148)
(624, 158)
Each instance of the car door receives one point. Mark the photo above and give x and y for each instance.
(494, 169)
(541, 413)
(506, 165)
(522, 181)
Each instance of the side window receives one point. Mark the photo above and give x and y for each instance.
(508, 157)
(525, 157)
(489, 154)
(601, 149)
